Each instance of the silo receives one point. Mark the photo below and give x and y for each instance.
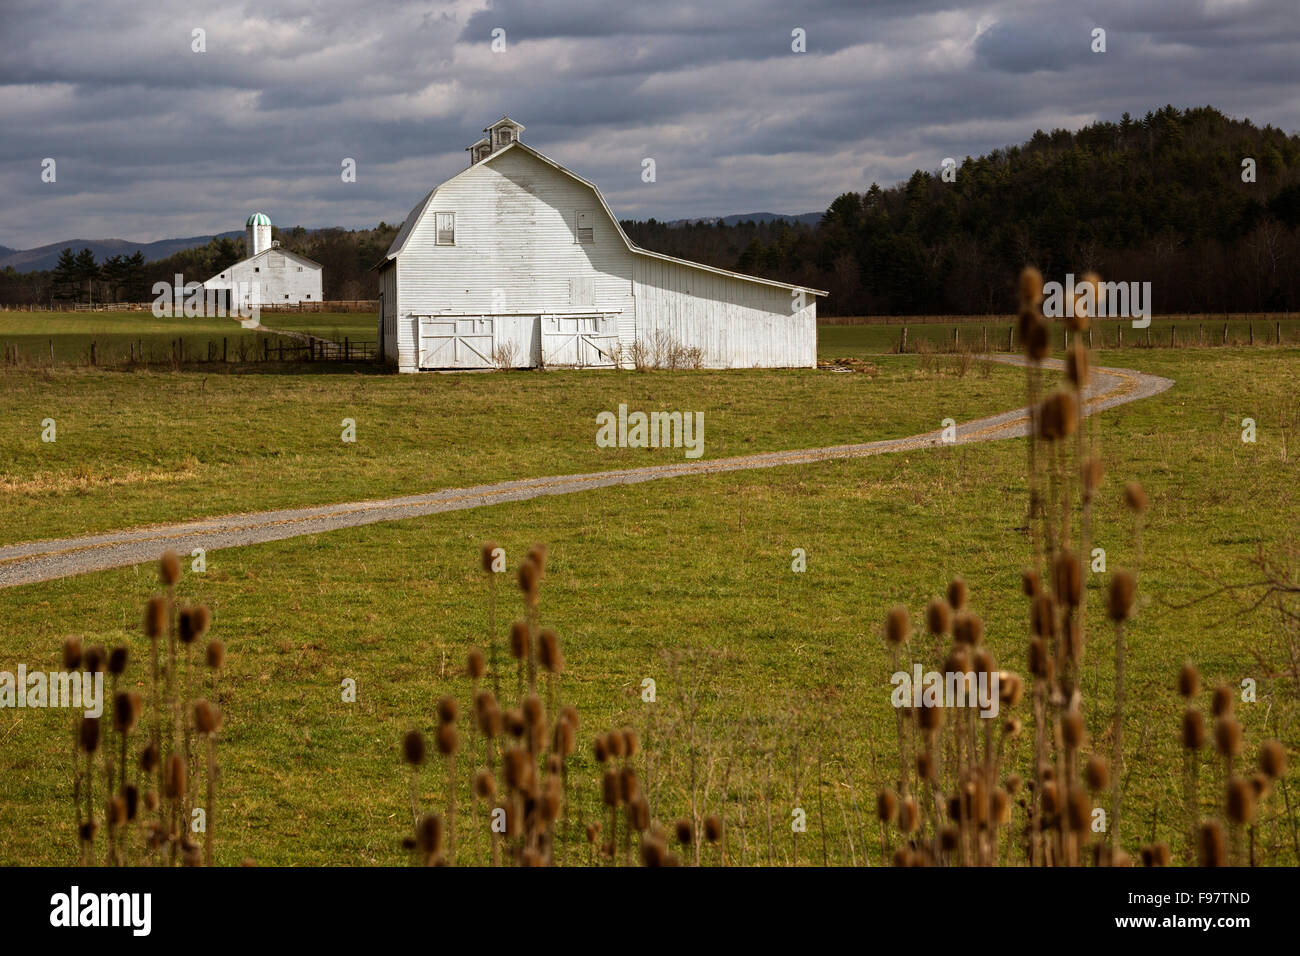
(258, 233)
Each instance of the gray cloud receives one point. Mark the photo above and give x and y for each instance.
(153, 140)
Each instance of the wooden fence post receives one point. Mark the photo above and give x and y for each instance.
(347, 353)
(1011, 338)
(902, 341)
(223, 348)
(1171, 336)
(266, 349)
(1250, 326)
(1225, 333)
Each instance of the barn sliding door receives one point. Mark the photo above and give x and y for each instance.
(456, 342)
(581, 341)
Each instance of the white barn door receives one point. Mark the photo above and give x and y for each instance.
(457, 341)
(581, 341)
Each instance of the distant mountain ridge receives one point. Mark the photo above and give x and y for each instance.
(46, 257)
(806, 218)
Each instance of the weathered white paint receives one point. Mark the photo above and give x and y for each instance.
(282, 278)
(521, 265)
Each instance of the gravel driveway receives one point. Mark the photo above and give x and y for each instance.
(46, 560)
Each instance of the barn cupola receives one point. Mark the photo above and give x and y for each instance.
(499, 135)
(258, 233)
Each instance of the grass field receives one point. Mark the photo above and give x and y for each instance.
(688, 581)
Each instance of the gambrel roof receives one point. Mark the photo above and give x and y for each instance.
(416, 214)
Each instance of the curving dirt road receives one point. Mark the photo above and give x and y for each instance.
(35, 561)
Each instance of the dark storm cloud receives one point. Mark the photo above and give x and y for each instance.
(153, 140)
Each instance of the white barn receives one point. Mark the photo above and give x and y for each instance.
(276, 276)
(516, 261)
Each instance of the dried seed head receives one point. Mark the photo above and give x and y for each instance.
(616, 744)
(1135, 498)
(1001, 807)
(1030, 584)
(537, 555)
(1076, 366)
(1272, 758)
(601, 749)
(117, 659)
(1013, 783)
(1097, 773)
(897, 625)
(628, 784)
(216, 653)
(126, 711)
(175, 777)
(548, 652)
(967, 628)
(116, 811)
(957, 594)
(1066, 578)
(485, 785)
(886, 806)
(1222, 702)
(1189, 681)
(207, 718)
(983, 662)
(631, 742)
(1241, 801)
(1038, 659)
(1119, 601)
(89, 734)
(684, 832)
(1051, 803)
(1090, 476)
(638, 813)
(529, 579)
(186, 625)
(72, 653)
(1211, 844)
(486, 555)
(938, 617)
(413, 747)
(155, 618)
(475, 664)
(1030, 287)
(94, 659)
(908, 816)
(1034, 335)
(1078, 809)
(925, 765)
(149, 759)
(1227, 736)
(1042, 616)
(428, 835)
(1010, 688)
(930, 718)
(1058, 416)
(447, 738)
(1012, 727)
(1072, 729)
(447, 709)
(611, 790)
(713, 828)
(1193, 729)
(519, 640)
(169, 568)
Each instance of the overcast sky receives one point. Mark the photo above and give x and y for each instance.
(153, 140)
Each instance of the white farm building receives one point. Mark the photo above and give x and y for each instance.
(516, 261)
(270, 275)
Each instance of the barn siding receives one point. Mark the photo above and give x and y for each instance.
(279, 281)
(515, 253)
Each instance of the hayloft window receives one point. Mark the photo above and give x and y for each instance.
(586, 232)
(446, 228)
(504, 136)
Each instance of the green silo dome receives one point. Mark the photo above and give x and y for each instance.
(258, 219)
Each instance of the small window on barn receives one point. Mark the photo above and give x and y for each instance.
(286, 295)
(504, 136)
(300, 268)
(446, 228)
(586, 232)
(257, 268)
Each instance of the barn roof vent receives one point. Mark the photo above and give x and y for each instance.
(499, 135)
